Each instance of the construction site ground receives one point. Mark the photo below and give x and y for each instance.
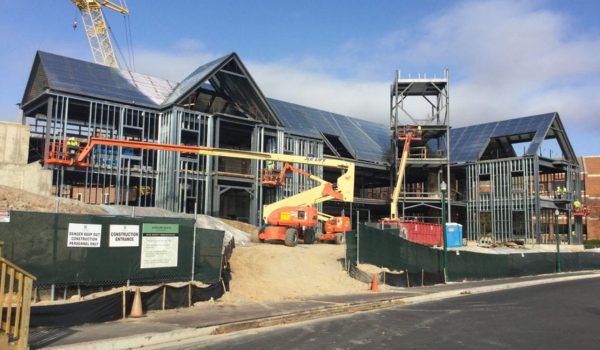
(261, 272)
(222, 317)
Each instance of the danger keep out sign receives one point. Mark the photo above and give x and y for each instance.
(124, 236)
(84, 235)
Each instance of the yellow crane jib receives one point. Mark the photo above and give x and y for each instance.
(96, 28)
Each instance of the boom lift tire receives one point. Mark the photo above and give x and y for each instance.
(261, 230)
(339, 238)
(309, 236)
(291, 237)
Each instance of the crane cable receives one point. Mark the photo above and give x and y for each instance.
(129, 39)
(112, 34)
(128, 36)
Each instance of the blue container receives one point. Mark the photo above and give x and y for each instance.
(454, 235)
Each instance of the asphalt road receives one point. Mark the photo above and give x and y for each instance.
(562, 315)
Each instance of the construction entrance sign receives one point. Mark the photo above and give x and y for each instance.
(124, 236)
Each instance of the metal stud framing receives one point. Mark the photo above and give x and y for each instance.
(508, 199)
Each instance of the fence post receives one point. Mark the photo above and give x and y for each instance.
(357, 238)
(194, 240)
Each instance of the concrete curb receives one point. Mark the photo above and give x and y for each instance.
(151, 339)
(138, 340)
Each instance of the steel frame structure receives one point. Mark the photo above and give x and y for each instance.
(426, 94)
(519, 199)
(172, 181)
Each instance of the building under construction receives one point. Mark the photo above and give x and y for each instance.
(500, 185)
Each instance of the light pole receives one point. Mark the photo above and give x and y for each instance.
(556, 213)
(444, 188)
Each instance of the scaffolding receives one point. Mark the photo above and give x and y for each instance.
(424, 103)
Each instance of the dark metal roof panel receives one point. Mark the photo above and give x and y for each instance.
(198, 76)
(469, 143)
(89, 79)
(367, 141)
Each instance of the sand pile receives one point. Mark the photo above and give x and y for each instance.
(15, 199)
(203, 221)
(268, 272)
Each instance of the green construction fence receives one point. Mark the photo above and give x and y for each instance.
(103, 250)
(386, 248)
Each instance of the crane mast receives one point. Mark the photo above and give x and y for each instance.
(96, 29)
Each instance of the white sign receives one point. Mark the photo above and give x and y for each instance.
(4, 216)
(124, 236)
(84, 235)
(159, 251)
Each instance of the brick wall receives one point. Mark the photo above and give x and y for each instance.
(592, 195)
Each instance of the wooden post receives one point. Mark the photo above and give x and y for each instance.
(124, 303)
(8, 300)
(190, 294)
(164, 298)
(19, 301)
(25, 310)
(2, 283)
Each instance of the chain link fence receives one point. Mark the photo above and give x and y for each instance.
(387, 249)
(81, 254)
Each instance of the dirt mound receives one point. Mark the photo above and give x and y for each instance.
(267, 272)
(16, 199)
(242, 226)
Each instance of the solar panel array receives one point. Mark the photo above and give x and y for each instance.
(365, 140)
(88, 79)
(469, 143)
(197, 76)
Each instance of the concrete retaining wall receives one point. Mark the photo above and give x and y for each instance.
(29, 177)
(14, 170)
(14, 143)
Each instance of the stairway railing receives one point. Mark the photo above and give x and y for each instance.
(16, 286)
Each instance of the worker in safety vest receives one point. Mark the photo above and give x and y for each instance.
(72, 146)
(270, 166)
(577, 206)
(559, 192)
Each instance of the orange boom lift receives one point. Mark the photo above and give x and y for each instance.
(286, 220)
(304, 222)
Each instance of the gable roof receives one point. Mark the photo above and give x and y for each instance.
(196, 78)
(227, 76)
(469, 143)
(69, 75)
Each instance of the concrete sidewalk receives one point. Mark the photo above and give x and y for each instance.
(217, 318)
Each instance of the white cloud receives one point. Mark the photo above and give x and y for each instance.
(172, 64)
(506, 59)
(512, 59)
(366, 99)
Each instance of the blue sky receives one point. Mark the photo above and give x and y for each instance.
(506, 58)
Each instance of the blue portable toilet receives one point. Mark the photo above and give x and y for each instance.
(454, 235)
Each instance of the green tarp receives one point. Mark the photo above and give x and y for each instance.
(74, 249)
(387, 249)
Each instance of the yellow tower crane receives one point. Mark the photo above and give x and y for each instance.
(96, 28)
